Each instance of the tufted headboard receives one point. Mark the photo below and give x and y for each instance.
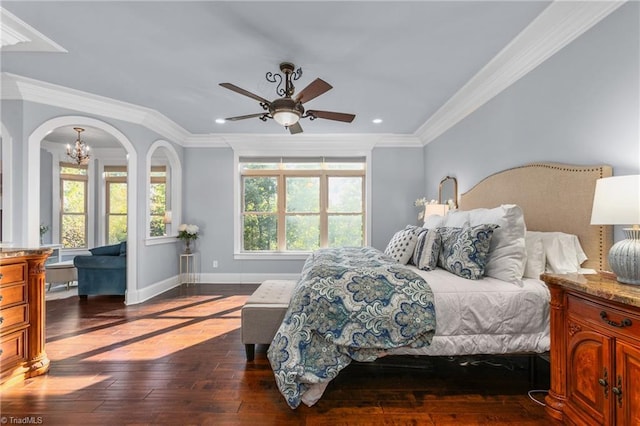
(554, 197)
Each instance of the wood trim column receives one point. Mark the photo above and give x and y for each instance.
(557, 396)
(37, 361)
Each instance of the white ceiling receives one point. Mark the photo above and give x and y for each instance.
(399, 61)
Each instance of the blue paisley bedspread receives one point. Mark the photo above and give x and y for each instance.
(351, 303)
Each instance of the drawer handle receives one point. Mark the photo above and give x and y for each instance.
(1, 320)
(626, 322)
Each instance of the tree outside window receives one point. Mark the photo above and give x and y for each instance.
(116, 203)
(73, 194)
(302, 205)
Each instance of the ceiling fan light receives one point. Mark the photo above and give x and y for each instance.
(286, 118)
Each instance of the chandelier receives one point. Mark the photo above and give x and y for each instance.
(80, 152)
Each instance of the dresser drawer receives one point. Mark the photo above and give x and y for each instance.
(610, 319)
(13, 349)
(13, 273)
(15, 315)
(13, 295)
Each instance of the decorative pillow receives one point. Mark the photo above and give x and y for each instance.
(536, 258)
(464, 250)
(123, 248)
(507, 256)
(425, 255)
(563, 252)
(111, 250)
(401, 246)
(418, 230)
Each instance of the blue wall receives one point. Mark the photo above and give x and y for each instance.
(579, 107)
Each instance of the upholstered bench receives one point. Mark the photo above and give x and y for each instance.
(60, 273)
(263, 313)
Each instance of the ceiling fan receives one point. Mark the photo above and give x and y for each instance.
(288, 109)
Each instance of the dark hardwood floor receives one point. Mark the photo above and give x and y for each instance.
(178, 360)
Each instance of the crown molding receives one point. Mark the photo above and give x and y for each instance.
(18, 36)
(558, 25)
(337, 141)
(18, 87)
(301, 144)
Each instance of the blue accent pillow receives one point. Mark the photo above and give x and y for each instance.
(123, 248)
(464, 250)
(426, 253)
(111, 250)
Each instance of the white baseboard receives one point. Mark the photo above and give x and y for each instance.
(138, 296)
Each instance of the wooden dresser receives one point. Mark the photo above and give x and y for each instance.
(595, 350)
(22, 314)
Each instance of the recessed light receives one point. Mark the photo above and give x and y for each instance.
(376, 120)
(220, 120)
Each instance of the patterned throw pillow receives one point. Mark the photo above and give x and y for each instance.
(401, 246)
(425, 255)
(464, 250)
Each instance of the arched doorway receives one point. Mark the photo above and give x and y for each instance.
(32, 185)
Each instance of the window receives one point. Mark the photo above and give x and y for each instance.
(116, 203)
(158, 201)
(302, 204)
(73, 194)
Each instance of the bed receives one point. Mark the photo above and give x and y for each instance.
(361, 304)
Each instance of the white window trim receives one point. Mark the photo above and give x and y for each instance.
(56, 159)
(326, 148)
(174, 195)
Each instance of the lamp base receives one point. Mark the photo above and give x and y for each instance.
(624, 257)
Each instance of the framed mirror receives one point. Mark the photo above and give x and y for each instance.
(448, 192)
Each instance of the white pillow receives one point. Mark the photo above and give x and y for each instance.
(433, 221)
(536, 258)
(402, 245)
(563, 252)
(507, 256)
(456, 219)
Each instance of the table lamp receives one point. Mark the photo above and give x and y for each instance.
(617, 202)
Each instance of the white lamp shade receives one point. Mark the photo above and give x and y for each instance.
(438, 209)
(617, 201)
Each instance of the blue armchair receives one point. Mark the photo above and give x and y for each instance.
(102, 272)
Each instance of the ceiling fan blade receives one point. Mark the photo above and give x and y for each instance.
(237, 89)
(295, 128)
(330, 115)
(242, 117)
(316, 88)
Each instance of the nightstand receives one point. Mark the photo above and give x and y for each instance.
(595, 350)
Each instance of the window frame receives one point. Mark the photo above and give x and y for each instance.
(167, 196)
(108, 180)
(61, 214)
(281, 174)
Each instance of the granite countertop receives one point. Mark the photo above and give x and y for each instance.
(9, 252)
(598, 285)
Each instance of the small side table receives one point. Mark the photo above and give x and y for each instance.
(188, 265)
